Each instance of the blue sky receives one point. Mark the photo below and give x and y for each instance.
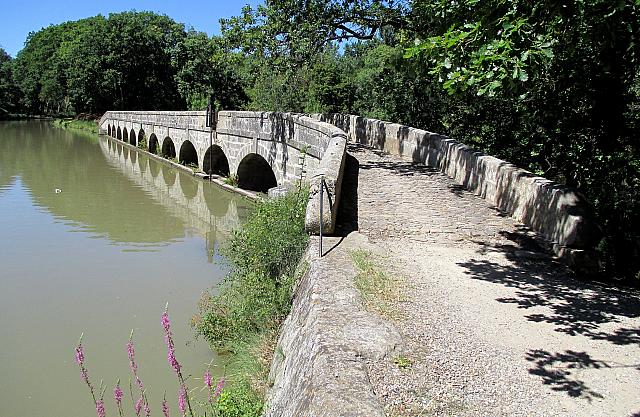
(19, 17)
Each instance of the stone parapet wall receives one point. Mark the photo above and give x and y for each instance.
(296, 147)
(321, 144)
(560, 214)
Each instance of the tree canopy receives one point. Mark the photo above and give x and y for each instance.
(551, 86)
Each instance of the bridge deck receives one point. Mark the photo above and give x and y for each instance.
(491, 324)
(488, 317)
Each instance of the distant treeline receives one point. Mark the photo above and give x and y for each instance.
(551, 86)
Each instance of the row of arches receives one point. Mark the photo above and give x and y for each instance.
(254, 172)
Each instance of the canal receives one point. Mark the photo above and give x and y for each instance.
(96, 238)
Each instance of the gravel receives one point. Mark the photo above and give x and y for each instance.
(490, 322)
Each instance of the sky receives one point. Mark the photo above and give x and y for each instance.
(19, 17)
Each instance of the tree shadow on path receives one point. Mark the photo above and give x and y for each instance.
(573, 307)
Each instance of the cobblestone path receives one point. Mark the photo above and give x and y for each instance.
(491, 324)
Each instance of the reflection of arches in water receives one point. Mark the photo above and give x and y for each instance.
(119, 148)
(141, 136)
(215, 161)
(217, 201)
(188, 154)
(153, 144)
(169, 175)
(154, 167)
(132, 137)
(125, 153)
(125, 134)
(143, 161)
(168, 148)
(255, 174)
(119, 134)
(133, 155)
(188, 185)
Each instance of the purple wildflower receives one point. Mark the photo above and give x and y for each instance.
(132, 357)
(100, 408)
(165, 407)
(207, 378)
(219, 387)
(117, 394)
(83, 371)
(138, 406)
(171, 358)
(166, 323)
(182, 401)
(80, 354)
(147, 409)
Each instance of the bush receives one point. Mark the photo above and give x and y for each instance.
(242, 319)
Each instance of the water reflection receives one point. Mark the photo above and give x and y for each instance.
(123, 236)
(171, 201)
(201, 206)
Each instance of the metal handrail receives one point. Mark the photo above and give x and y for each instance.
(323, 185)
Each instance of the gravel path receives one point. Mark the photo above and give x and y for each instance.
(490, 323)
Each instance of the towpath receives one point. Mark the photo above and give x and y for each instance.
(490, 323)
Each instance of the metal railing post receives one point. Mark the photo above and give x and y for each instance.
(321, 216)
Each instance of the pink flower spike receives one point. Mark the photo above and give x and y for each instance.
(166, 323)
(182, 401)
(100, 408)
(138, 406)
(207, 379)
(147, 410)
(219, 387)
(117, 394)
(165, 408)
(80, 354)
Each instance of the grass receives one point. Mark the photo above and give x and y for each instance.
(402, 362)
(378, 289)
(242, 317)
(231, 180)
(84, 125)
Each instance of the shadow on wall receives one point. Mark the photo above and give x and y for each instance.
(347, 220)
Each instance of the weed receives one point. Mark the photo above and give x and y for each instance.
(378, 289)
(402, 362)
(231, 180)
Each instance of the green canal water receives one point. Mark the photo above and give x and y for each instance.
(96, 238)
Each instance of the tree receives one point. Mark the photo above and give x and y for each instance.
(9, 93)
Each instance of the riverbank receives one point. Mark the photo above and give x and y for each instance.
(90, 126)
(244, 316)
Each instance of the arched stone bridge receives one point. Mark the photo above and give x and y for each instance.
(262, 150)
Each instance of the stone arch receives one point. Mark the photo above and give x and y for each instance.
(109, 130)
(188, 153)
(132, 137)
(119, 134)
(125, 134)
(215, 161)
(168, 148)
(142, 138)
(113, 131)
(153, 144)
(255, 174)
